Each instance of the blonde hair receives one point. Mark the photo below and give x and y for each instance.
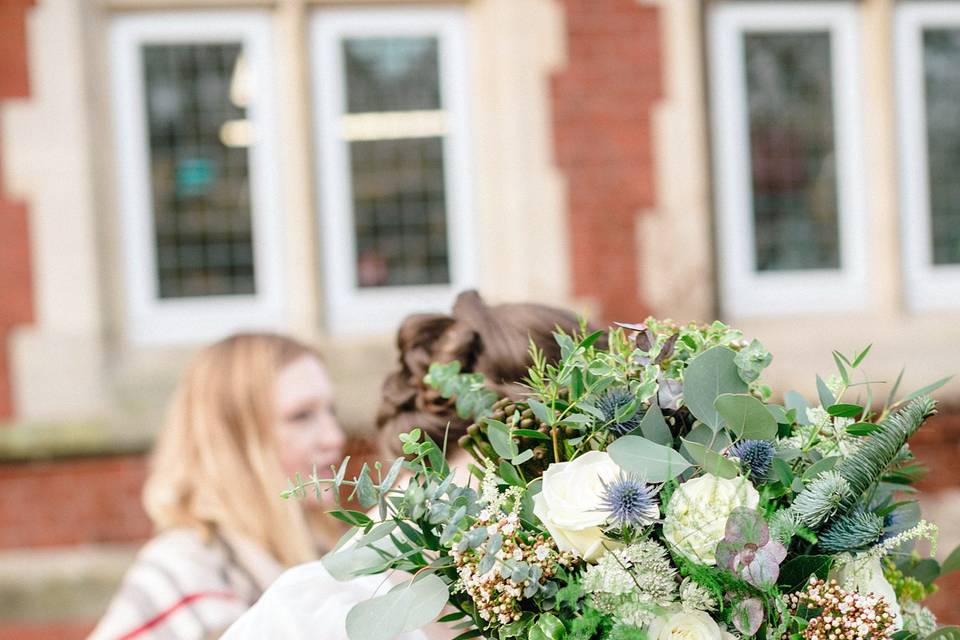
(216, 466)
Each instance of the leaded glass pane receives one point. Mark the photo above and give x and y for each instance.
(792, 150)
(392, 74)
(200, 186)
(400, 212)
(397, 178)
(941, 58)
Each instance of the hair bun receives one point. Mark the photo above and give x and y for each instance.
(493, 341)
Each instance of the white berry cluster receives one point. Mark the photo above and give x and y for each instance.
(844, 615)
(521, 563)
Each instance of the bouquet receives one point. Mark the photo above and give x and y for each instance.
(648, 487)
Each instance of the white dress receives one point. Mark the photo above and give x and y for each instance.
(307, 603)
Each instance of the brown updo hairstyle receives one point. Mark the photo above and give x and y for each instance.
(492, 340)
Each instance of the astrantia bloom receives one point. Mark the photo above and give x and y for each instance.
(631, 502)
(756, 455)
(613, 401)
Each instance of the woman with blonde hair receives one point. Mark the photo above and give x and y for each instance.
(250, 412)
(307, 602)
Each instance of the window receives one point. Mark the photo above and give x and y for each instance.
(789, 197)
(928, 90)
(195, 171)
(389, 89)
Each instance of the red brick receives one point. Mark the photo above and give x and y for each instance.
(65, 502)
(16, 293)
(51, 631)
(601, 105)
(14, 77)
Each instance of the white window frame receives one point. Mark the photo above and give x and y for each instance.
(744, 291)
(151, 319)
(352, 309)
(927, 286)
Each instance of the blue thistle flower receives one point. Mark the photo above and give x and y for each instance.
(613, 401)
(631, 502)
(756, 455)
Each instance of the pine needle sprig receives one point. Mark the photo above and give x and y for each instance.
(851, 532)
(864, 468)
(841, 490)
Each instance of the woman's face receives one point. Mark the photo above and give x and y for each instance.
(308, 433)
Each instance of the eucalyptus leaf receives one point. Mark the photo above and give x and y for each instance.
(945, 633)
(952, 563)
(844, 410)
(704, 435)
(351, 562)
(711, 461)
(540, 410)
(653, 462)
(930, 388)
(818, 467)
(708, 376)
(523, 456)
(747, 418)
(404, 609)
(654, 427)
(795, 401)
(779, 414)
(500, 439)
(826, 396)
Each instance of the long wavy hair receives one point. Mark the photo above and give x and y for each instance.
(492, 340)
(216, 466)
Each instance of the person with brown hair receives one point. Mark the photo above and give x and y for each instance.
(250, 412)
(306, 602)
(491, 340)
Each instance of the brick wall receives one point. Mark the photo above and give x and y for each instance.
(16, 295)
(937, 446)
(67, 502)
(602, 101)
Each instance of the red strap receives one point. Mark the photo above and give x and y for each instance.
(169, 611)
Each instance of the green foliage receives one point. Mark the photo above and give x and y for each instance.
(473, 398)
(746, 417)
(855, 530)
(588, 625)
(865, 467)
(796, 572)
(401, 610)
(708, 376)
(626, 632)
(821, 499)
(652, 462)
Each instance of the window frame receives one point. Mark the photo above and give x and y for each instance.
(927, 286)
(352, 309)
(745, 292)
(151, 319)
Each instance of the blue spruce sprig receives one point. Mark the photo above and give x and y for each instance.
(856, 530)
(863, 469)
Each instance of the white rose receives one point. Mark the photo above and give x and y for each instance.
(697, 514)
(570, 504)
(865, 575)
(686, 625)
